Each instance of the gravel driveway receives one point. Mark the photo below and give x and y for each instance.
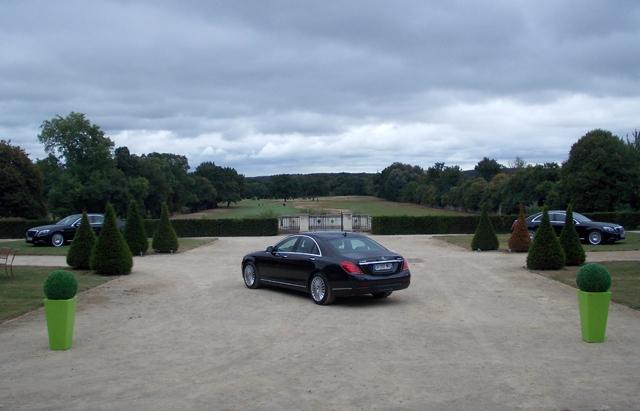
(474, 331)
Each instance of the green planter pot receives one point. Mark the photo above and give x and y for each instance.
(594, 310)
(61, 315)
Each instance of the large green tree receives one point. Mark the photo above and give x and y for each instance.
(21, 184)
(228, 184)
(488, 168)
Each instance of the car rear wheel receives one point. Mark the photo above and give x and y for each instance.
(381, 295)
(595, 237)
(57, 240)
(320, 290)
(250, 276)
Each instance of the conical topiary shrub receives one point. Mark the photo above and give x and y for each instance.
(111, 255)
(570, 241)
(546, 252)
(165, 239)
(520, 241)
(134, 232)
(485, 237)
(79, 255)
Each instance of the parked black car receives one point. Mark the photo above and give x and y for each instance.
(328, 264)
(593, 232)
(63, 231)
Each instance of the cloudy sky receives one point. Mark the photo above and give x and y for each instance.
(308, 86)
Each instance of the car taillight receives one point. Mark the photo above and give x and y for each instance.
(350, 267)
(405, 265)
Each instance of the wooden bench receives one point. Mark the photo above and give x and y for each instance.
(6, 259)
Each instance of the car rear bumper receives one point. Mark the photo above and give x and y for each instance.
(368, 284)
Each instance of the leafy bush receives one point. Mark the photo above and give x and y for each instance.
(165, 239)
(520, 241)
(570, 241)
(79, 255)
(485, 237)
(593, 278)
(60, 285)
(546, 252)
(111, 255)
(134, 232)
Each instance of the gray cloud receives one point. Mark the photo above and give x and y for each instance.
(294, 86)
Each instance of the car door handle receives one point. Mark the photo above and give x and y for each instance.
(312, 259)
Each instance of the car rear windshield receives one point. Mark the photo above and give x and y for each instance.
(351, 244)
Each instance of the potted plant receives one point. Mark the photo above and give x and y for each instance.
(60, 289)
(593, 282)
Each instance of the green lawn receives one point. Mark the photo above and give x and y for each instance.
(23, 248)
(357, 204)
(24, 292)
(631, 243)
(625, 280)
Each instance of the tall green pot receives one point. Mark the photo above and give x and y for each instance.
(61, 315)
(594, 310)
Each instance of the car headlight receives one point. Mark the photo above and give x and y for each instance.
(607, 228)
(43, 232)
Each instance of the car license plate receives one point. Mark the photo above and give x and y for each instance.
(382, 267)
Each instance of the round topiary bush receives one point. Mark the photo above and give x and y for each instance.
(111, 255)
(570, 241)
(546, 252)
(134, 232)
(79, 256)
(60, 285)
(593, 278)
(485, 237)
(165, 239)
(520, 241)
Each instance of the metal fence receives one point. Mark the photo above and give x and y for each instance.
(324, 222)
(289, 224)
(361, 223)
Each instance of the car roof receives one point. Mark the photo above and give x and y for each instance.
(329, 235)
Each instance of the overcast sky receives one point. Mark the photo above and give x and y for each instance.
(310, 86)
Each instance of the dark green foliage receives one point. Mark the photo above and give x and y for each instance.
(165, 239)
(111, 255)
(220, 228)
(21, 184)
(60, 285)
(485, 237)
(546, 252)
(134, 232)
(570, 241)
(519, 241)
(457, 224)
(488, 168)
(593, 278)
(79, 255)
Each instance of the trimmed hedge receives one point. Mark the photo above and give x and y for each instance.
(570, 241)
(437, 224)
(60, 285)
(519, 242)
(111, 254)
(79, 255)
(134, 232)
(220, 228)
(165, 239)
(485, 238)
(18, 228)
(545, 253)
(630, 220)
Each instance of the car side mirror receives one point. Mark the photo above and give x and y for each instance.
(270, 249)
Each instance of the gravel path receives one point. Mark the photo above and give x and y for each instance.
(474, 331)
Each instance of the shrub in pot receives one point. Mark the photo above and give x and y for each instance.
(134, 232)
(165, 239)
(594, 282)
(546, 252)
(570, 241)
(79, 256)
(60, 289)
(520, 241)
(485, 237)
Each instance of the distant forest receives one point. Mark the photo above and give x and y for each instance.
(84, 171)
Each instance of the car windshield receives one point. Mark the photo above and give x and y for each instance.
(580, 218)
(351, 244)
(68, 220)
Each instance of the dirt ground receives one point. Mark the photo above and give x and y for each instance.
(475, 331)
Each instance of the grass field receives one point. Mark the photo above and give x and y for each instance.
(625, 280)
(23, 248)
(24, 292)
(357, 204)
(631, 243)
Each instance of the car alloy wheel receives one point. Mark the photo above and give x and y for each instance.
(250, 276)
(595, 237)
(57, 240)
(320, 291)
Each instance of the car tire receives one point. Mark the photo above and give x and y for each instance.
(320, 290)
(57, 240)
(250, 276)
(381, 295)
(594, 237)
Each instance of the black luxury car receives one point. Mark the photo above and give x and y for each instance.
(63, 231)
(593, 232)
(328, 264)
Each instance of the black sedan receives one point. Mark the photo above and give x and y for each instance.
(594, 232)
(63, 231)
(326, 265)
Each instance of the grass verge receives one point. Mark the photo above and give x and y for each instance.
(24, 292)
(625, 280)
